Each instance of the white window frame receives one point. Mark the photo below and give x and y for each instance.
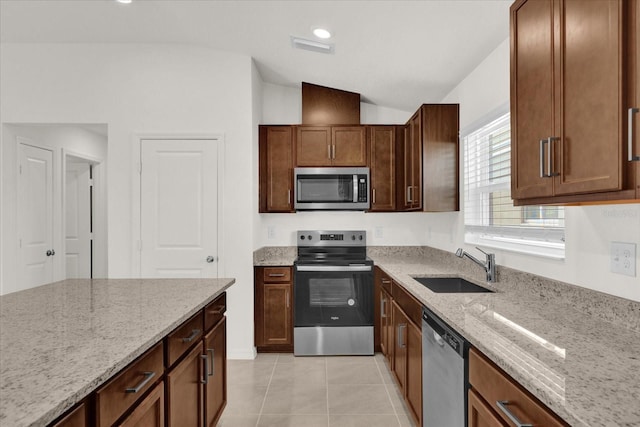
(545, 242)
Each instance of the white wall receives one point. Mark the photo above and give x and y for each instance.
(589, 230)
(73, 140)
(152, 89)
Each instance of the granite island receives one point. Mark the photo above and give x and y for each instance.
(60, 341)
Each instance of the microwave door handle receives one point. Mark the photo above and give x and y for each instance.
(355, 188)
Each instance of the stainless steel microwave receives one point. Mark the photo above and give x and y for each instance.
(331, 189)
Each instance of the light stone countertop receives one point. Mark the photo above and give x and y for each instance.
(576, 350)
(59, 342)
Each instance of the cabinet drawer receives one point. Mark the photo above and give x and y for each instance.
(493, 386)
(76, 418)
(118, 395)
(277, 274)
(150, 412)
(185, 336)
(214, 311)
(385, 282)
(408, 304)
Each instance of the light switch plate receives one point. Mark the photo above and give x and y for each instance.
(623, 258)
(379, 232)
(271, 232)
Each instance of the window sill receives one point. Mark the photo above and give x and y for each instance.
(529, 247)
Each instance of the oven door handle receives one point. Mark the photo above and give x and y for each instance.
(333, 268)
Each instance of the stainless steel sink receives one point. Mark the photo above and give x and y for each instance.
(450, 285)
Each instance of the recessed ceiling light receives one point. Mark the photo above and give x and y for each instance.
(124, 1)
(321, 33)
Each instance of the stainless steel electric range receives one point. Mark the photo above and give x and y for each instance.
(333, 294)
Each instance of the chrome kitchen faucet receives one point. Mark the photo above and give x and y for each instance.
(489, 265)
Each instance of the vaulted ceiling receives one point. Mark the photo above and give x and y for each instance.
(397, 54)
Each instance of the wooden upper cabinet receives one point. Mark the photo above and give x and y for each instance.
(633, 107)
(382, 162)
(409, 165)
(568, 115)
(327, 106)
(276, 168)
(331, 146)
(440, 157)
(349, 146)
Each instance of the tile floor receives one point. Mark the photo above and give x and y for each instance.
(282, 390)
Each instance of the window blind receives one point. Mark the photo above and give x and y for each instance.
(489, 214)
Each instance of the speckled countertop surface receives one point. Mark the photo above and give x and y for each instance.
(577, 350)
(58, 342)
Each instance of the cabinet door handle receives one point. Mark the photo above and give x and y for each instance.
(329, 151)
(289, 196)
(502, 405)
(383, 311)
(542, 174)
(288, 299)
(550, 155)
(632, 157)
(401, 343)
(205, 376)
(409, 194)
(549, 141)
(194, 334)
(374, 196)
(212, 352)
(148, 375)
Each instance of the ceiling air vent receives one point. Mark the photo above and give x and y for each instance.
(311, 45)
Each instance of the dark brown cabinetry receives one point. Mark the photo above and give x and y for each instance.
(399, 333)
(494, 398)
(273, 309)
(150, 412)
(276, 168)
(633, 106)
(331, 146)
(184, 374)
(568, 103)
(382, 163)
(410, 166)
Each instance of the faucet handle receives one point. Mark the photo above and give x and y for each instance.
(483, 251)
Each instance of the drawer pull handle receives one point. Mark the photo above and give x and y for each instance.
(217, 311)
(194, 334)
(386, 281)
(148, 375)
(502, 405)
(276, 274)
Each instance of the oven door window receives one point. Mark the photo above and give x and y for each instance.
(333, 299)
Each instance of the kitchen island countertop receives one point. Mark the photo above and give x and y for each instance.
(60, 341)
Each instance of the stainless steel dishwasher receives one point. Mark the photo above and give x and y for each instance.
(444, 374)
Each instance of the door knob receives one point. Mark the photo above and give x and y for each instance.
(210, 259)
(51, 252)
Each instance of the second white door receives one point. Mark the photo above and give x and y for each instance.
(179, 208)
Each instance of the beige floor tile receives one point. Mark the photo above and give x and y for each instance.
(342, 360)
(359, 399)
(240, 372)
(300, 373)
(230, 420)
(385, 370)
(363, 421)
(353, 372)
(244, 399)
(405, 420)
(310, 360)
(288, 398)
(293, 421)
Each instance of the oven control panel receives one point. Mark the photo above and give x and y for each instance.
(332, 238)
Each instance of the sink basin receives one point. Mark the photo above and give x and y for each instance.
(450, 285)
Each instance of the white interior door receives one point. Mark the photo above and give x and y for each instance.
(179, 200)
(35, 215)
(78, 221)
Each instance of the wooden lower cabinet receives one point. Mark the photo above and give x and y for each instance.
(386, 325)
(150, 412)
(184, 391)
(480, 414)
(75, 418)
(490, 385)
(215, 388)
(400, 325)
(273, 311)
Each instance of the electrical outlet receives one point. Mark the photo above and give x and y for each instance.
(623, 258)
(271, 232)
(379, 232)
